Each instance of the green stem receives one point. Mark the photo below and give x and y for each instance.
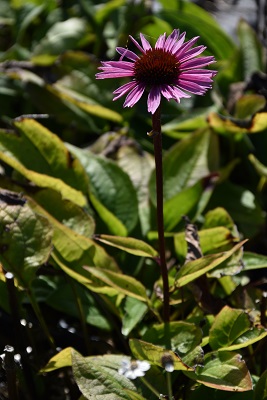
(42, 322)
(169, 385)
(157, 138)
(79, 306)
(153, 390)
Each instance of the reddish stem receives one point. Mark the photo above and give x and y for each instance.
(157, 138)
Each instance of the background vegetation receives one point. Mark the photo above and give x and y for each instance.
(77, 210)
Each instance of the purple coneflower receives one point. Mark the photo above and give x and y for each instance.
(169, 69)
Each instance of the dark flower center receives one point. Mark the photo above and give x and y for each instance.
(156, 67)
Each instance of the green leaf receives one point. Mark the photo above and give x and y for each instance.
(254, 261)
(194, 269)
(42, 158)
(134, 311)
(223, 371)
(112, 222)
(183, 203)
(31, 13)
(260, 391)
(111, 186)
(62, 36)
(40, 150)
(183, 165)
(184, 125)
(26, 238)
(218, 217)
(248, 105)
(65, 296)
(185, 339)
(98, 377)
(245, 210)
(122, 283)
(103, 12)
(130, 245)
(96, 110)
(84, 278)
(138, 165)
(76, 250)
(147, 351)
(46, 181)
(228, 125)
(198, 22)
(60, 360)
(65, 211)
(259, 167)
(251, 49)
(211, 240)
(232, 330)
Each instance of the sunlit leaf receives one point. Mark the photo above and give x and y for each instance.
(194, 269)
(122, 283)
(146, 351)
(60, 360)
(259, 167)
(26, 238)
(211, 240)
(223, 371)
(185, 340)
(248, 105)
(232, 330)
(75, 249)
(228, 125)
(130, 245)
(254, 261)
(98, 377)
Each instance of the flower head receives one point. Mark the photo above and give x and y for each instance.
(133, 369)
(167, 362)
(171, 69)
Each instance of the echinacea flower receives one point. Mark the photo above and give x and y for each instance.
(171, 69)
(133, 369)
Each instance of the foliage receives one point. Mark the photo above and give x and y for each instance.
(78, 219)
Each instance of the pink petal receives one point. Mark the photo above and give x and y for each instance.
(137, 44)
(134, 95)
(122, 90)
(195, 77)
(179, 94)
(198, 62)
(171, 40)
(113, 74)
(160, 42)
(153, 100)
(192, 53)
(179, 43)
(192, 87)
(127, 53)
(146, 45)
(119, 64)
(186, 46)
